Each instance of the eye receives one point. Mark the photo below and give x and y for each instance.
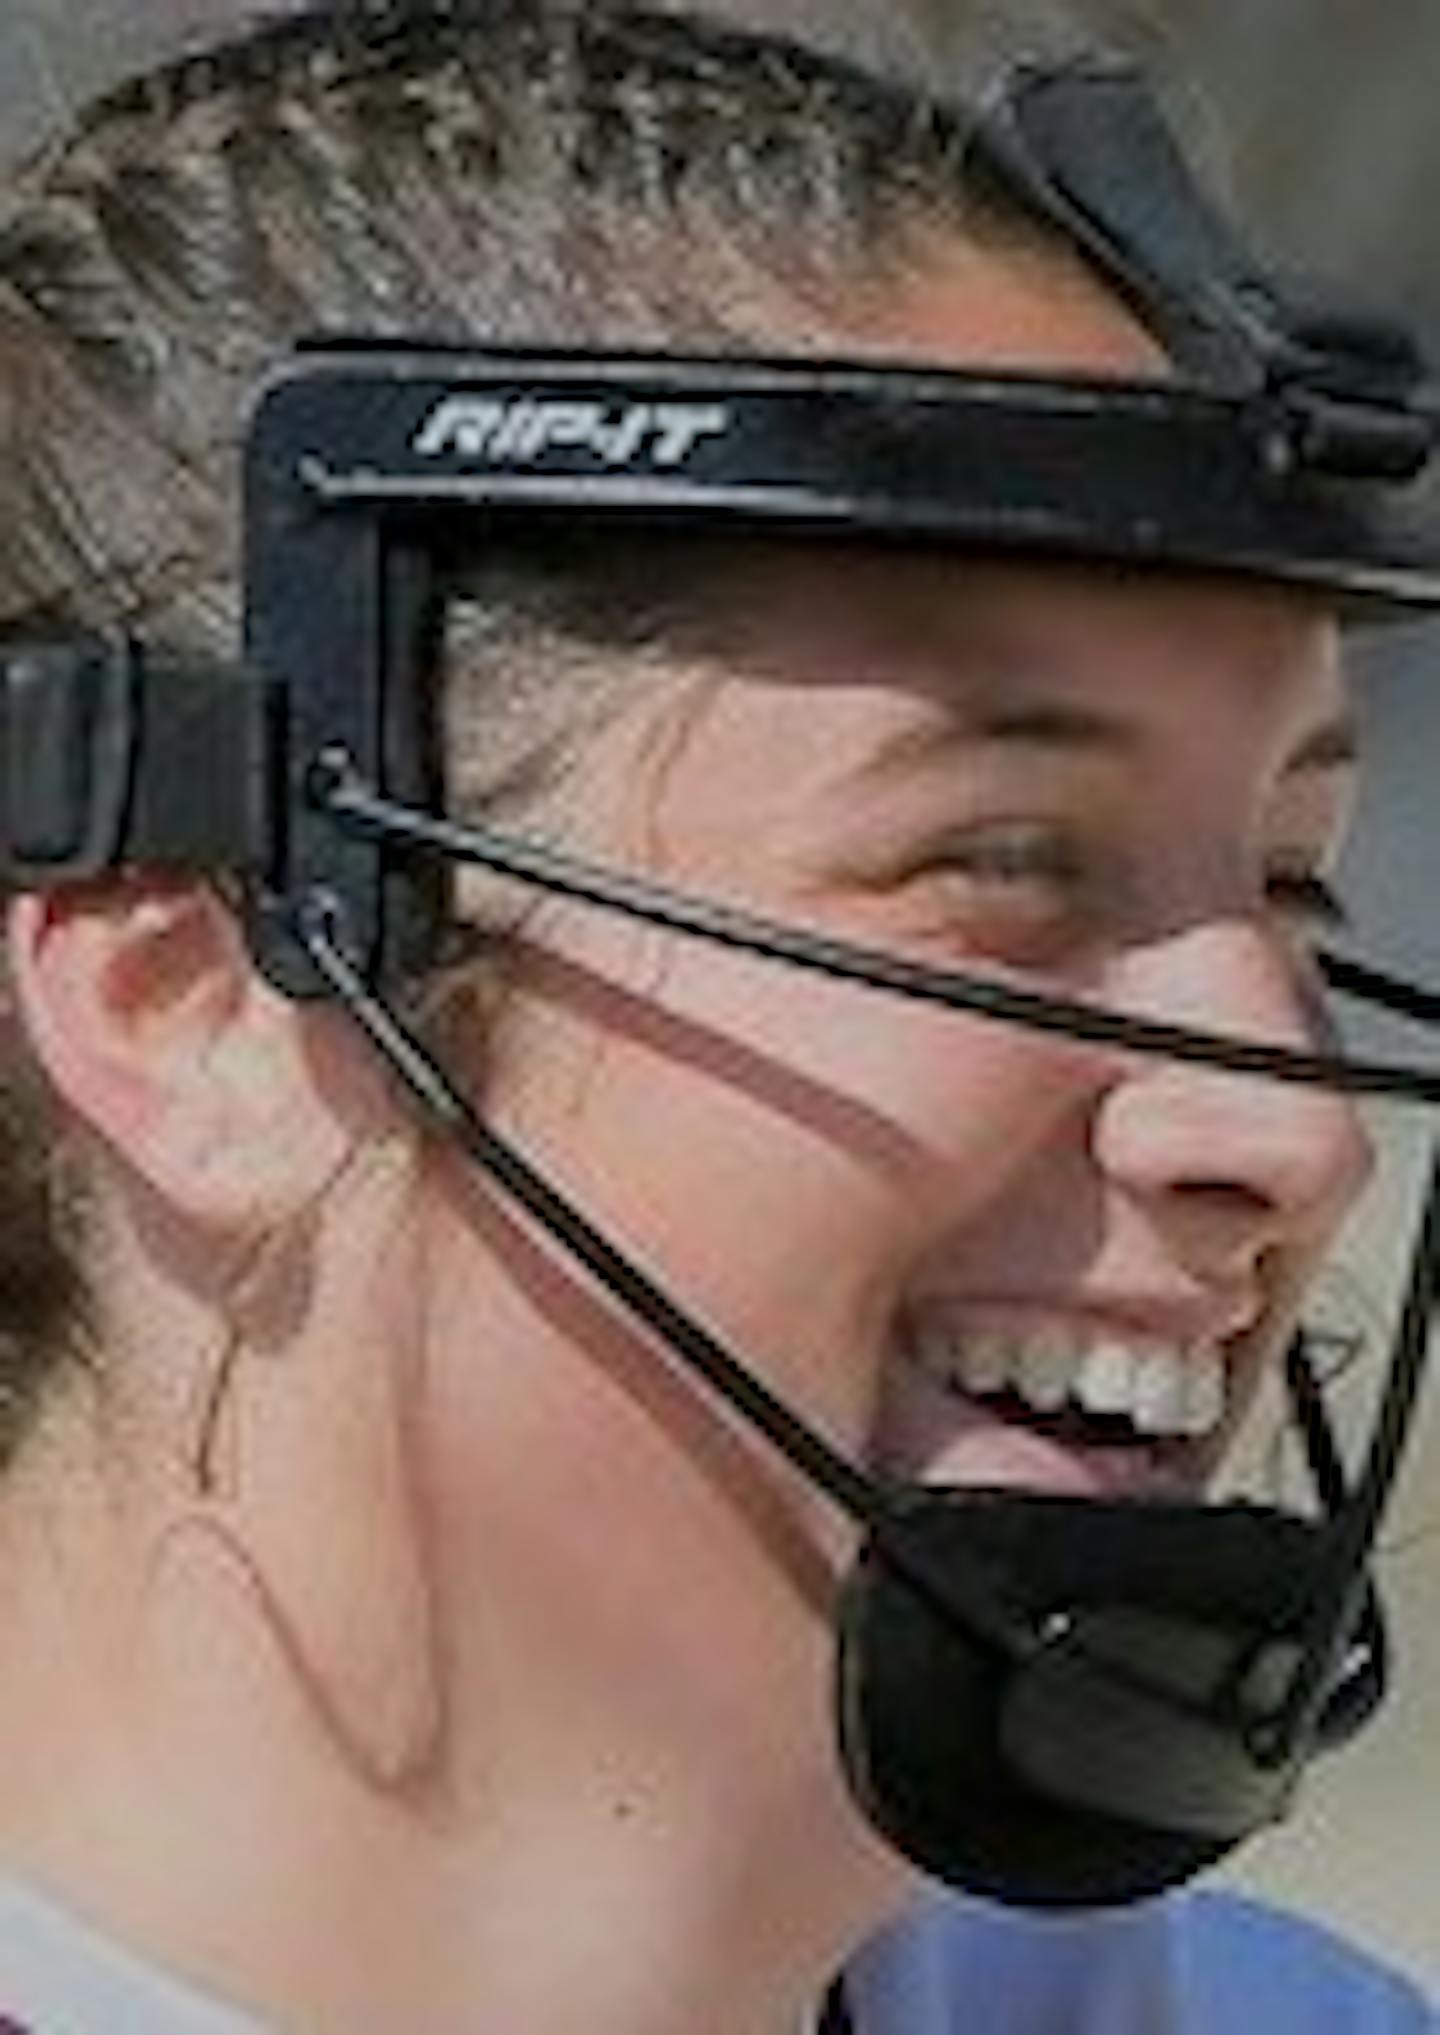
(1028, 892)
(1016, 854)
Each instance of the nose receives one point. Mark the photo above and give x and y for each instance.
(1242, 1161)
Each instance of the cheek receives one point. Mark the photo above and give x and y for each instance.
(782, 1155)
(899, 1092)
(791, 1145)
(1259, 1403)
(597, 1529)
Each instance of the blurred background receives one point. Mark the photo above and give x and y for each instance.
(1323, 112)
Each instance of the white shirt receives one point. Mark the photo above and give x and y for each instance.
(58, 1976)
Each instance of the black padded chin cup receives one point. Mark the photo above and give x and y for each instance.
(1109, 1763)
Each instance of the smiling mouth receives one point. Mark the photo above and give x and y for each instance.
(1053, 1405)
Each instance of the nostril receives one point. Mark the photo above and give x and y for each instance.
(1222, 1193)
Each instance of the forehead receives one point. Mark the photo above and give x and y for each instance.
(938, 631)
(956, 302)
(947, 635)
(866, 685)
(852, 711)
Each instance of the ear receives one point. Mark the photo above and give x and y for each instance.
(142, 1004)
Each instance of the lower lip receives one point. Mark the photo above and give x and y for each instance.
(936, 1436)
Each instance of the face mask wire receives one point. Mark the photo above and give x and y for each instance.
(337, 789)
(320, 928)
(1353, 1514)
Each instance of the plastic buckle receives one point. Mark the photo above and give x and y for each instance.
(67, 758)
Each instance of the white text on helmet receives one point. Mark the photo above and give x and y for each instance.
(521, 430)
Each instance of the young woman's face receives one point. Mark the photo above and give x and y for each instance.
(949, 1238)
(964, 1252)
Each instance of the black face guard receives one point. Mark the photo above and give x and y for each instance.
(1036, 1700)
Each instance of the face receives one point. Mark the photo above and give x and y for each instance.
(1127, 792)
(965, 1253)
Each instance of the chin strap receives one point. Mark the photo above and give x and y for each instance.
(1087, 145)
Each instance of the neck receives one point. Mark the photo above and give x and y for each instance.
(542, 1873)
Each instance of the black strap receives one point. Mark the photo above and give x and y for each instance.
(835, 2014)
(110, 758)
(1087, 144)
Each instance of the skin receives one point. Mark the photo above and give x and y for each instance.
(484, 1640)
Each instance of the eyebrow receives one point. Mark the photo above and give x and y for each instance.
(1053, 724)
(1059, 726)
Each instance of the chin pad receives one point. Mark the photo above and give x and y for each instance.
(1108, 1754)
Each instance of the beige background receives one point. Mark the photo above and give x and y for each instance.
(1362, 1851)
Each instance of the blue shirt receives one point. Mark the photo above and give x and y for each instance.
(1195, 1964)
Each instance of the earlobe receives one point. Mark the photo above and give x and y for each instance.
(143, 1006)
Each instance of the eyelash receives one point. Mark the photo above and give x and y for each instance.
(1027, 893)
(1019, 857)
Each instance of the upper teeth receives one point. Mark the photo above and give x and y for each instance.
(1160, 1388)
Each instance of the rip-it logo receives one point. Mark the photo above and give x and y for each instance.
(521, 430)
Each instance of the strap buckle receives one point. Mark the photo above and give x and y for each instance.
(68, 725)
(111, 757)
